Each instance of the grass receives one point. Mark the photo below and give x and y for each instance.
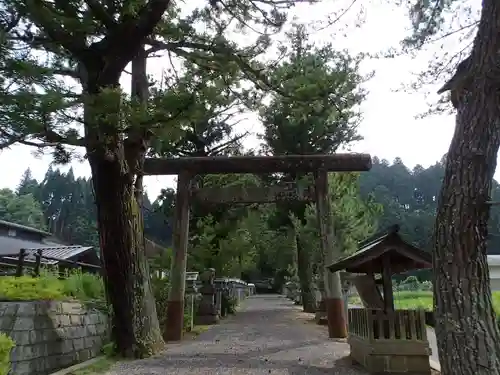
(198, 330)
(421, 299)
(100, 366)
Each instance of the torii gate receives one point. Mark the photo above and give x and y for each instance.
(188, 167)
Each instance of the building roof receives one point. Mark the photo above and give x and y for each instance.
(11, 244)
(403, 256)
(24, 228)
(53, 253)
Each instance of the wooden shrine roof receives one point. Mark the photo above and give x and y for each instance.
(348, 162)
(403, 256)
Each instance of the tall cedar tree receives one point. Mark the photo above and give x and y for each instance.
(324, 118)
(92, 42)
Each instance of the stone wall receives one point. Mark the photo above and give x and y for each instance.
(51, 335)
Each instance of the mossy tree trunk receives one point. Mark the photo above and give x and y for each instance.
(116, 164)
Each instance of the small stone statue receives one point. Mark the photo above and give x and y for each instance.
(207, 311)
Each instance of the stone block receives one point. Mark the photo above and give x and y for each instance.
(61, 334)
(20, 338)
(72, 308)
(53, 348)
(22, 368)
(36, 336)
(40, 366)
(76, 320)
(85, 355)
(50, 335)
(90, 341)
(68, 333)
(26, 309)
(23, 323)
(79, 344)
(67, 346)
(101, 329)
(63, 320)
(26, 352)
(47, 307)
(42, 322)
(9, 308)
(94, 318)
(66, 360)
(92, 329)
(7, 323)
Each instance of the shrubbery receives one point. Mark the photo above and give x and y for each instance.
(411, 283)
(160, 292)
(6, 345)
(76, 285)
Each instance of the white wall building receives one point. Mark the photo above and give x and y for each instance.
(494, 264)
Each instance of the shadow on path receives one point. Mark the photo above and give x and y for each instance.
(268, 335)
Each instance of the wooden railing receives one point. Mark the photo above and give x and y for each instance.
(374, 324)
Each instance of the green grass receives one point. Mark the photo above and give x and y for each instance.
(99, 367)
(421, 299)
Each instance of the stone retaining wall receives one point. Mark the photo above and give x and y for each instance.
(51, 335)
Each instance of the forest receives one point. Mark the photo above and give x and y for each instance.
(231, 240)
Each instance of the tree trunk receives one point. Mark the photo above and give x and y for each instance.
(114, 163)
(136, 331)
(467, 334)
(304, 270)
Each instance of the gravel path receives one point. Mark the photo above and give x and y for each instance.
(268, 335)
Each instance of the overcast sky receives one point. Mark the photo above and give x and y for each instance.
(389, 127)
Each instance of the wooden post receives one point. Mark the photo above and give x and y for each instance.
(20, 263)
(38, 262)
(333, 289)
(175, 304)
(387, 283)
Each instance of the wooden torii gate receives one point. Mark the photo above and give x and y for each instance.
(188, 167)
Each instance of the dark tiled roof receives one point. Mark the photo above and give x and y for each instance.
(404, 256)
(10, 247)
(8, 224)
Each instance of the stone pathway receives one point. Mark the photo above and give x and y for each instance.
(268, 335)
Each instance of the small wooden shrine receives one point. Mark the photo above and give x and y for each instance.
(382, 339)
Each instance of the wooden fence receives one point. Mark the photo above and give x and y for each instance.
(21, 264)
(375, 324)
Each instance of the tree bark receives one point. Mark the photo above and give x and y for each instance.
(114, 164)
(135, 331)
(304, 271)
(467, 333)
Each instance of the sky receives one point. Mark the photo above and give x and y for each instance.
(389, 126)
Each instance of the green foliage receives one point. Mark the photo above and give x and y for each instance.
(410, 283)
(108, 349)
(187, 319)
(27, 288)
(21, 209)
(83, 286)
(77, 285)
(6, 345)
(311, 118)
(160, 292)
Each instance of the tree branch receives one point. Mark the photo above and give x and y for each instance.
(101, 14)
(43, 17)
(134, 30)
